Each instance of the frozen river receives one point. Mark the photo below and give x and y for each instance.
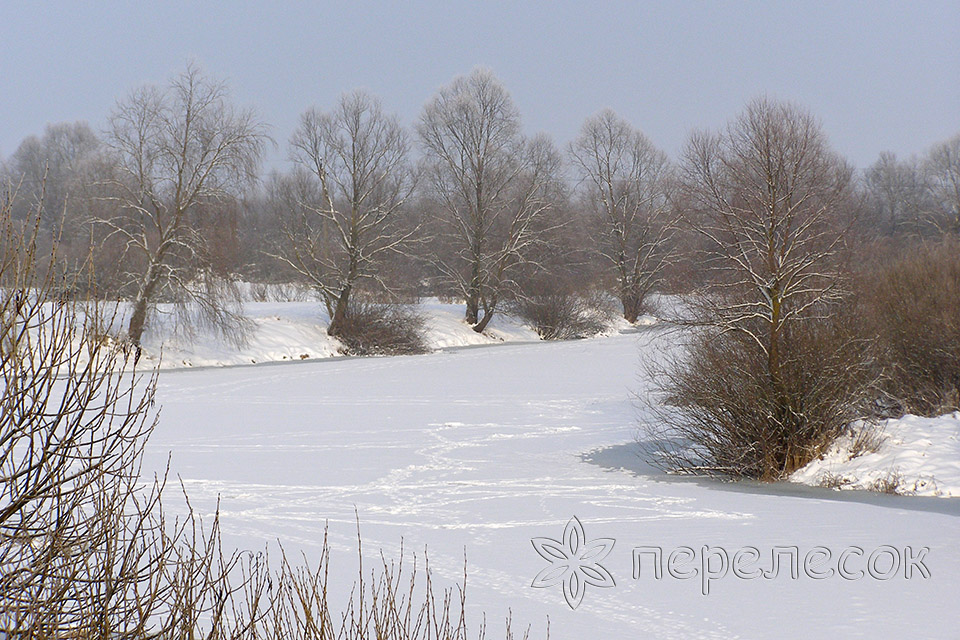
(482, 450)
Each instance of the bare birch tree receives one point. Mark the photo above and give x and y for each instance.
(492, 185)
(628, 183)
(177, 149)
(353, 183)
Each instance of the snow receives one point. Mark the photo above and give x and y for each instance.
(915, 455)
(289, 331)
(446, 328)
(479, 451)
(279, 331)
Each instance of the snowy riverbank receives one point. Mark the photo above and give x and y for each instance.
(911, 455)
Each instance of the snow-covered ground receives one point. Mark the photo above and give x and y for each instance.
(285, 331)
(912, 455)
(481, 450)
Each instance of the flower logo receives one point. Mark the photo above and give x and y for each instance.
(574, 562)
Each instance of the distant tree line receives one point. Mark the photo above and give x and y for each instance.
(170, 199)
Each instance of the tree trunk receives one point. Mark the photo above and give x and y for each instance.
(473, 308)
(631, 306)
(628, 297)
(139, 317)
(343, 300)
(773, 353)
(473, 294)
(137, 320)
(340, 312)
(480, 326)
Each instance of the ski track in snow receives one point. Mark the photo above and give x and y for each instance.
(478, 451)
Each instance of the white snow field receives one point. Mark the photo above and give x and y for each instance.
(479, 450)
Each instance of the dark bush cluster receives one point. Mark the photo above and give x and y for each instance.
(909, 304)
(890, 346)
(563, 315)
(723, 413)
(803, 321)
(375, 328)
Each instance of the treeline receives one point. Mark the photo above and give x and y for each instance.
(169, 200)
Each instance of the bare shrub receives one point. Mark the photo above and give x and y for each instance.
(292, 292)
(375, 328)
(557, 313)
(259, 291)
(891, 483)
(74, 417)
(867, 437)
(942, 165)
(86, 548)
(725, 414)
(832, 481)
(394, 600)
(910, 303)
(281, 292)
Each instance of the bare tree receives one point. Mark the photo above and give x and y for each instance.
(492, 185)
(53, 172)
(897, 194)
(775, 370)
(767, 195)
(52, 166)
(177, 150)
(628, 188)
(353, 182)
(943, 174)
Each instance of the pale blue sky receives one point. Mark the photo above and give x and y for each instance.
(881, 75)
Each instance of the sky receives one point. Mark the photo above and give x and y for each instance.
(882, 76)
